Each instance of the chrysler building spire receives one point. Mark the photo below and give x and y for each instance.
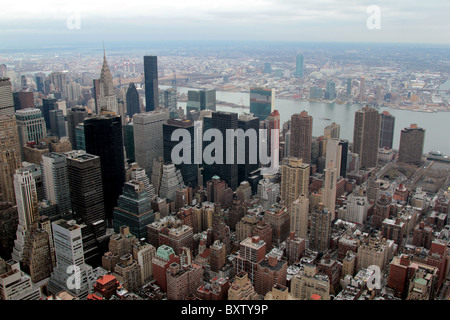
(107, 99)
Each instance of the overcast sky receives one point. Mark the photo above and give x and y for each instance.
(52, 21)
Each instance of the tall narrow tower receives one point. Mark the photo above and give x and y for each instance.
(329, 189)
(151, 83)
(103, 137)
(301, 136)
(366, 136)
(54, 171)
(299, 65)
(107, 99)
(387, 130)
(299, 216)
(27, 208)
(294, 180)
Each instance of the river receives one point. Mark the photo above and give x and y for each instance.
(437, 125)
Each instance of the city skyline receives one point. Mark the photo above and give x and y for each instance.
(141, 170)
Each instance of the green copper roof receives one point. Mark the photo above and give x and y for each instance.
(164, 252)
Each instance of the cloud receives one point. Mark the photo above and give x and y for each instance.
(328, 20)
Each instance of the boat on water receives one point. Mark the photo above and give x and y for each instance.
(328, 119)
(438, 156)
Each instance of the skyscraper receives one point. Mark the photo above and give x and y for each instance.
(106, 99)
(54, 172)
(128, 140)
(8, 221)
(86, 191)
(132, 98)
(9, 141)
(27, 209)
(223, 121)
(301, 136)
(38, 254)
(69, 257)
(349, 87)
(57, 123)
(249, 122)
(267, 193)
(31, 125)
(294, 180)
(329, 189)
(299, 216)
(411, 145)
(189, 171)
(151, 83)
(170, 101)
(334, 154)
(86, 195)
(366, 136)
(273, 123)
(387, 130)
(330, 93)
(23, 100)
(299, 65)
(320, 233)
(262, 102)
(103, 137)
(10, 158)
(171, 180)
(145, 125)
(133, 209)
(332, 131)
(344, 157)
(75, 116)
(58, 80)
(48, 104)
(201, 100)
(362, 89)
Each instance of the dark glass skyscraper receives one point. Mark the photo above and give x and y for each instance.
(134, 209)
(86, 193)
(151, 83)
(245, 123)
(57, 123)
(75, 116)
(47, 105)
(299, 65)
(261, 102)
(387, 130)
(201, 100)
(228, 172)
(103, 138)
(188, 171)
(128, 136)
(132, 100)
(344, 156)
(86, 196)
